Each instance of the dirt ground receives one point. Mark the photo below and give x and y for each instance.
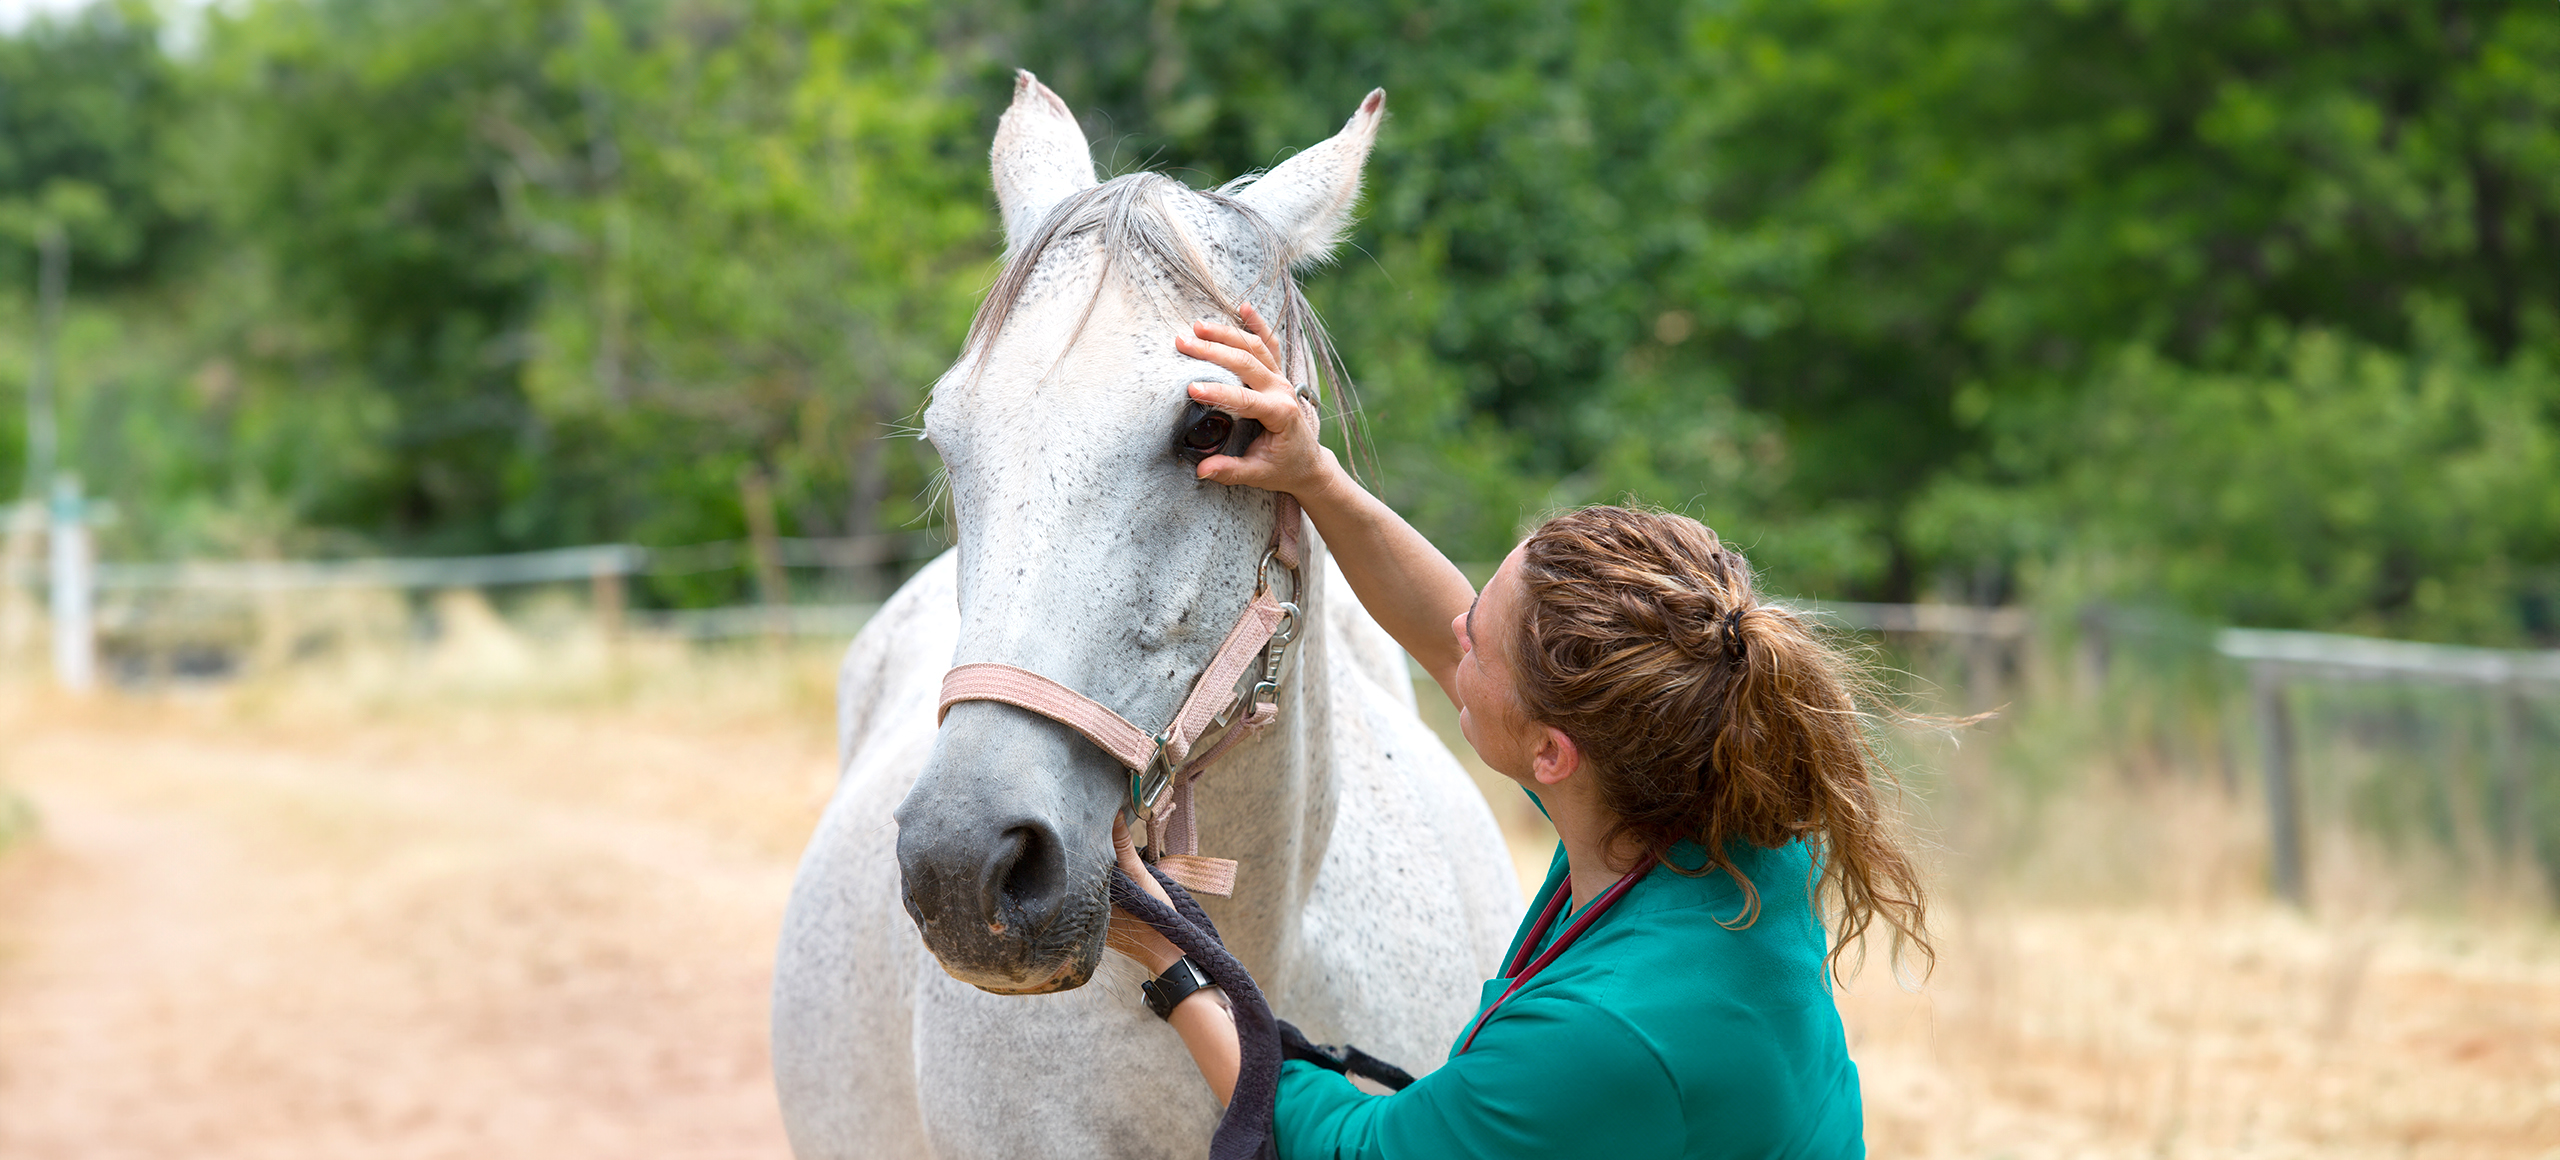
(338, 924)
(483, 931)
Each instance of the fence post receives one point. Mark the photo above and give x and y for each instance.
(2092, 652)
(2284, 797)
(605, 587)
(755, 493)
(2515, 772)
(75, 643)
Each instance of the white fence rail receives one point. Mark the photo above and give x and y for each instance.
(2279, 660)
(606, 567)
(550, 566)
(2278, 663)
(2330, 655)
(560, 564)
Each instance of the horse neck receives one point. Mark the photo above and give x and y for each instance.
(1270, 806)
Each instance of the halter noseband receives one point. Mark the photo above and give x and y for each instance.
(1233, 698)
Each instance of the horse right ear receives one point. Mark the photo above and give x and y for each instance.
(1040, 158)
(1308, 198)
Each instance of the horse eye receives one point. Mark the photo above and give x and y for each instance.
(1207, 433)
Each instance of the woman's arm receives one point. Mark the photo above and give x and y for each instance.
(1203, 1019)
(1412, 590)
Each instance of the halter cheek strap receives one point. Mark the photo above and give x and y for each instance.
(1234, 698)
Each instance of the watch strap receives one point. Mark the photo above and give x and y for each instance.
(1167, 991)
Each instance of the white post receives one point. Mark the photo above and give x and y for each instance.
(75, 645)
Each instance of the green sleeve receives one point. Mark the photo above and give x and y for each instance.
(1546, 1078)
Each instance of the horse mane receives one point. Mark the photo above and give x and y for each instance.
(1131, 221)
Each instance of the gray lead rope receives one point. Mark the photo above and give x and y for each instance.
(1244, 1132)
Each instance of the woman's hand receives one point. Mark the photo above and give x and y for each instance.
(1412, 590)
(1288, 457)
(1128, 935)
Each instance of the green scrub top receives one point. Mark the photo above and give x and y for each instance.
(1659, 1033)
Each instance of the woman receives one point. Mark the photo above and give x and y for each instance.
(1702, 758)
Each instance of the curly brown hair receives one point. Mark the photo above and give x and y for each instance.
(1709, 715)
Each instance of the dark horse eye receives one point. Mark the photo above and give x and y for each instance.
(1207, 431)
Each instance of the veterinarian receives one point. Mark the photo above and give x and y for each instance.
(1701, 754)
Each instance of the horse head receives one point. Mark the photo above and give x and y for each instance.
(1089, 552)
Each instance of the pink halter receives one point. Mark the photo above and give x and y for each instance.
(1233, 699)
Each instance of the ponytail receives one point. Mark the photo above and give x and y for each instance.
(1709, 716)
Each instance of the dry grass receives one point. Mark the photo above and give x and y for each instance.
(2185, 1015)
(491, 904)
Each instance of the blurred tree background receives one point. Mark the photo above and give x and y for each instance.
(2247, 311)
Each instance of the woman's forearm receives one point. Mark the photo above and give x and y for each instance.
(1208, 1029)
(1202, 1018)
(1407, 584)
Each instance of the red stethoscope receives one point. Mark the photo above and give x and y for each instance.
(1519, 975)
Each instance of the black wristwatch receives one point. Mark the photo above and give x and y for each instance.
(1167, 991)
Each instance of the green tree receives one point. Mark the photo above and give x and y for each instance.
(1847, 276)
(2247, 309)
(84, 101)
(344, 149)
(1959, 216)
(768, 229)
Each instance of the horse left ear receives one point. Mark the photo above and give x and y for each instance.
(1308, 198)
(1040, 158)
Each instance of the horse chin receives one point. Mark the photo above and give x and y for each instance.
(1069, 976)
(1063, 974)
(1053, 960)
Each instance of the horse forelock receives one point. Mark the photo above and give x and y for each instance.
(1141, 242)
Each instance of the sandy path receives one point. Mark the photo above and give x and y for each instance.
(488, 930)
(508, 936)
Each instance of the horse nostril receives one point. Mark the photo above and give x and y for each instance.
(1024, 877)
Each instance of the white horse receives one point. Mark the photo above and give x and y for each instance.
(1374, 895)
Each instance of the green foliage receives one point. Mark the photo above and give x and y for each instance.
(354, 163)
(771, 229)
(2326, 483)
(85, 103)
(2243, 310)
(1982, 225)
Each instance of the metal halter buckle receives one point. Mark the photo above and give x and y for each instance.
(1146, 785)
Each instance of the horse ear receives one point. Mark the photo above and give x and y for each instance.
(1308, 198)
(1040, 157)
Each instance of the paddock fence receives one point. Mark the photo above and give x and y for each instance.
(2440, 752)
(144, 623)
(2440, 762)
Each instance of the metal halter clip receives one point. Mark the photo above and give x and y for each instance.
(1267, 690)
(1146, 785)
(1260, 685)
(1262, 577)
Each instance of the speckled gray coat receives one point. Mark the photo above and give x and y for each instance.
(1374, 892)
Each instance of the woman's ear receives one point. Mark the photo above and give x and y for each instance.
(1557, 757)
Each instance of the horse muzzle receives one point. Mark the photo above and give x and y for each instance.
(997, 905)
